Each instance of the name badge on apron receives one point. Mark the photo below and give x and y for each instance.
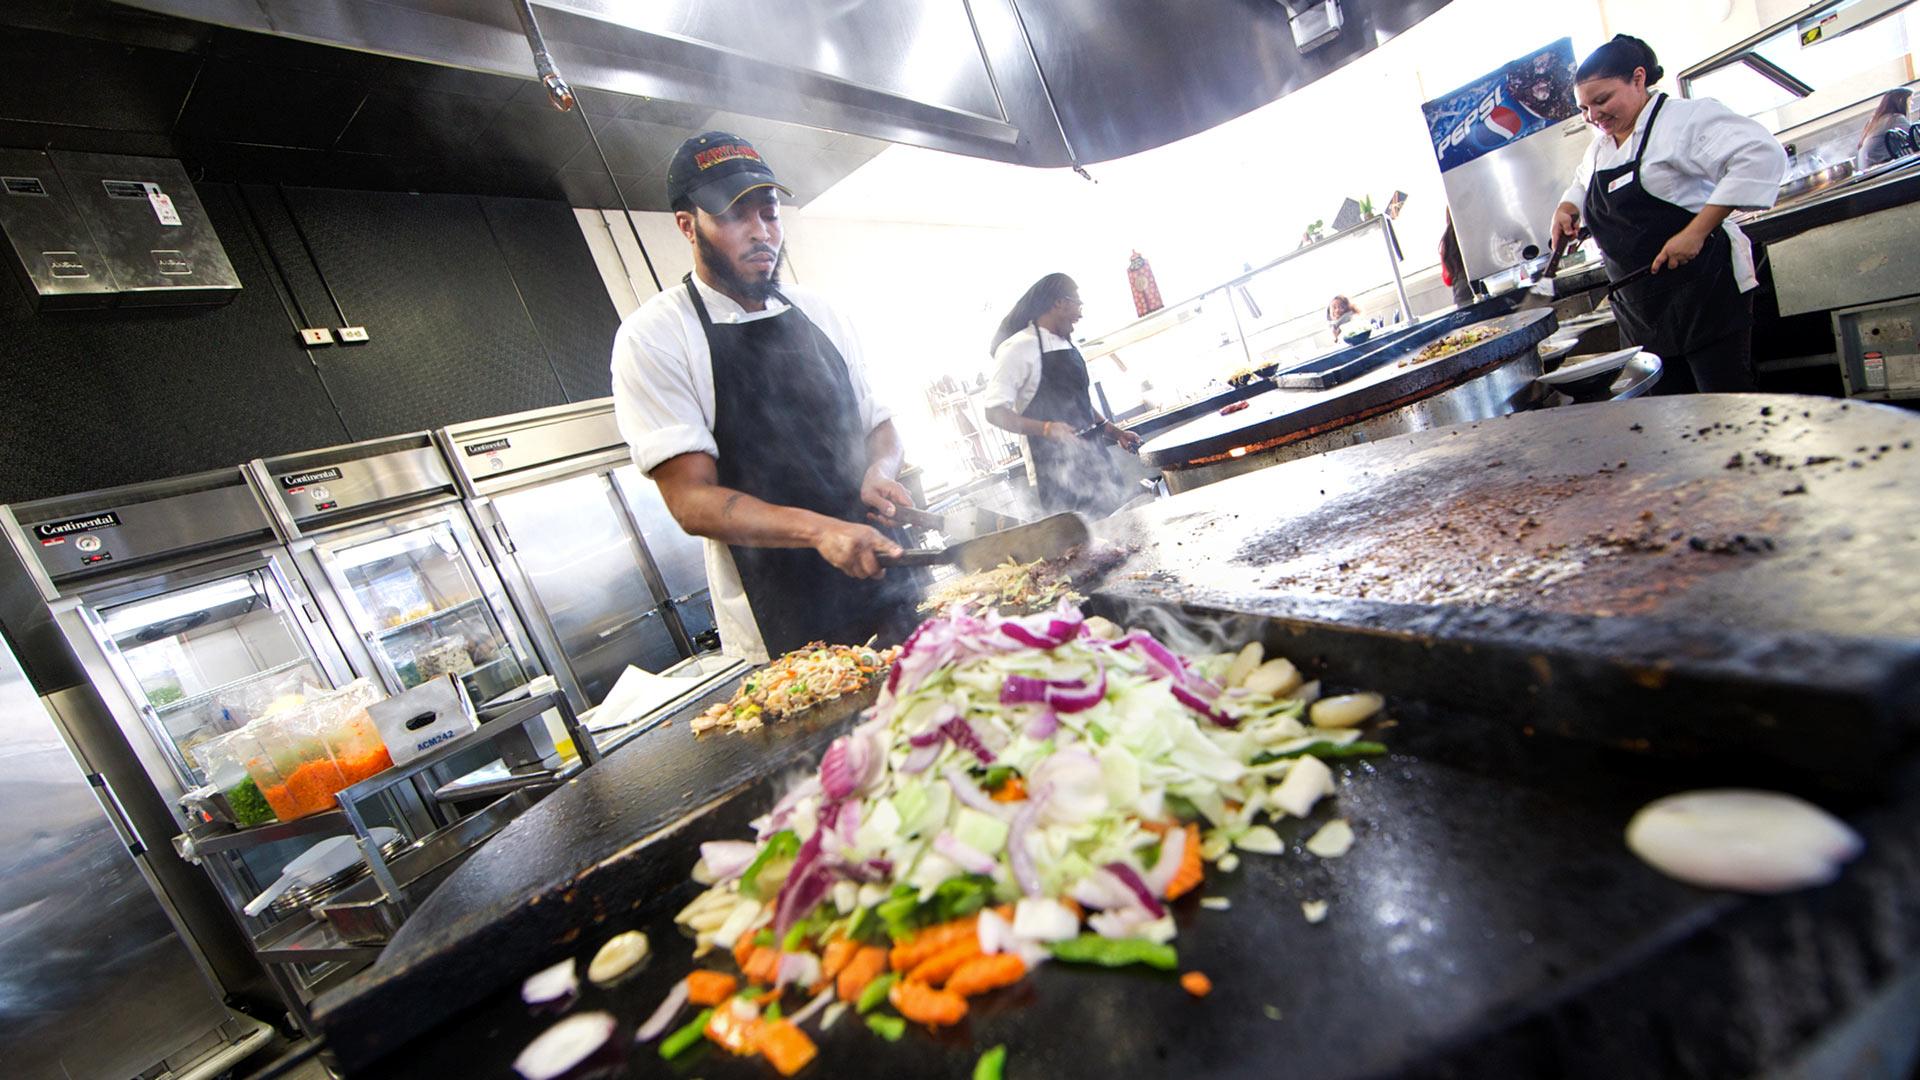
(1619, 182)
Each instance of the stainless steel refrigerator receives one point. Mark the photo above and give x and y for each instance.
(585, 544)
(95, 977)
(377, 531)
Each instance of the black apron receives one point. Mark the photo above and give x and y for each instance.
(1077, 475)
(1677, 312)
(788, 428)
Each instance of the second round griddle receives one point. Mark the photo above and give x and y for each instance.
(1277, 418)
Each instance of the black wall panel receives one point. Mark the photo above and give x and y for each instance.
(475, 309)
(450, 338)
(563, 291)
(95, 399)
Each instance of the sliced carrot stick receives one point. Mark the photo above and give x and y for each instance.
(762, 965)
(923, 1004)
(927, 942)
(984, 973)
(742, 949)
(710, 987)
(939, 967)
(837, 953)
(1192, 869)
(786, 1046)
(1196, 983)
(1014, 790)
(866, 965)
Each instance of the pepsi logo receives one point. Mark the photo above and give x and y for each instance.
(1504, 122)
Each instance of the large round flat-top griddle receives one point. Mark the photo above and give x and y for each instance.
(1770, 512)
(1274, 421)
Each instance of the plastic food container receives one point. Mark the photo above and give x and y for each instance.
(349, 731)
(295, 770)
(445, 656)
(225, 758)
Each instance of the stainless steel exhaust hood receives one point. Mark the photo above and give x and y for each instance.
(100, 230)
(1038, 82)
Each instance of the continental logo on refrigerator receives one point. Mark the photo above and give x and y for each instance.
(491, 446)
(292, 482)
(56, 532)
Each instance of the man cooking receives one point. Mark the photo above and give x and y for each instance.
(747, 403)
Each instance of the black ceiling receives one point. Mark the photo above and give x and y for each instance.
(91, 75)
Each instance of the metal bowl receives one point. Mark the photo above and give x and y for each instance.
(1819, 180)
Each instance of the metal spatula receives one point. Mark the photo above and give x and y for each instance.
(1047, 538)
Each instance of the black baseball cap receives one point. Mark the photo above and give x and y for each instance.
(713, 170)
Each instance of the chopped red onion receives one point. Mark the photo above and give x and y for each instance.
(806, 884)
(1064, 695)
(1193, 701)
(782, 812)
(969, 793)
(1044, 723)
(963, 735)
(1173, 848)
(1030, 639)
(838, 774)
(551, 987)
(727, 859)
(812, 1008)
(922, 757)
(994, 932)
(657, 1024)
(1126, 922)
(1130, 877)
(1018, 856)
(569, 1044)
(798, 968)
(970, 859)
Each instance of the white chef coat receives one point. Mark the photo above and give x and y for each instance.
(1700, 152)
(1016, 373)
(664, 403)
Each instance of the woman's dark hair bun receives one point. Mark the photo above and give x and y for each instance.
(1618, 58)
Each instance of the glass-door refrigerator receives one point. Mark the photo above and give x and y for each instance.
(186, 616)
(586, 546)
(378, 531)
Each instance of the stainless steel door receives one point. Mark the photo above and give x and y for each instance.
(424, 599)
(94, 981)
(588, 575)
(196, 652)
(681, 558)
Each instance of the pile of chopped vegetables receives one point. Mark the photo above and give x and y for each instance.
(799, 680)
(1025, 790)
(1023, 588)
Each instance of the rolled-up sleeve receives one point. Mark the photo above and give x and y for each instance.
(655, 402)
(1742, 157)
(1015, 375)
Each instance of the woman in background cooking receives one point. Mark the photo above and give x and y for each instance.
(1040, 389)
(1891, 115)
(1657, 186)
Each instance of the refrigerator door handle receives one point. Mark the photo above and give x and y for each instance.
(117, 814)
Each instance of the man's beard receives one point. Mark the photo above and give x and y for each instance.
(729, 279)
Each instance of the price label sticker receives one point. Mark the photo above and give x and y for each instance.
(162, 205)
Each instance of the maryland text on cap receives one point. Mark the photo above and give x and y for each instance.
(713, 170)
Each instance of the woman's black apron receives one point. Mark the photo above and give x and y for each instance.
(1076, 475)
(787, 424)
(1678, 312)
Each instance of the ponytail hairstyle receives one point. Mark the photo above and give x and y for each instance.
(1618, 59)
(1035, 302)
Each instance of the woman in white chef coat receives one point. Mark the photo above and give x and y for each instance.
(1656, 189)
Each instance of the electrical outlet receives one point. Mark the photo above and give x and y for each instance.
(353, 335)
(316, 337)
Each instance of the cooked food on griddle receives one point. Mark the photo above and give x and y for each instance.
(1025, 791)
(1022, 588)
(799, 680)
(1452, 343)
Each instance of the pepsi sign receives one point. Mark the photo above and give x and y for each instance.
(1526, 96)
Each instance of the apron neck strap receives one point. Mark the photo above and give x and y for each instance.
(1641, 150)
(700, 305)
